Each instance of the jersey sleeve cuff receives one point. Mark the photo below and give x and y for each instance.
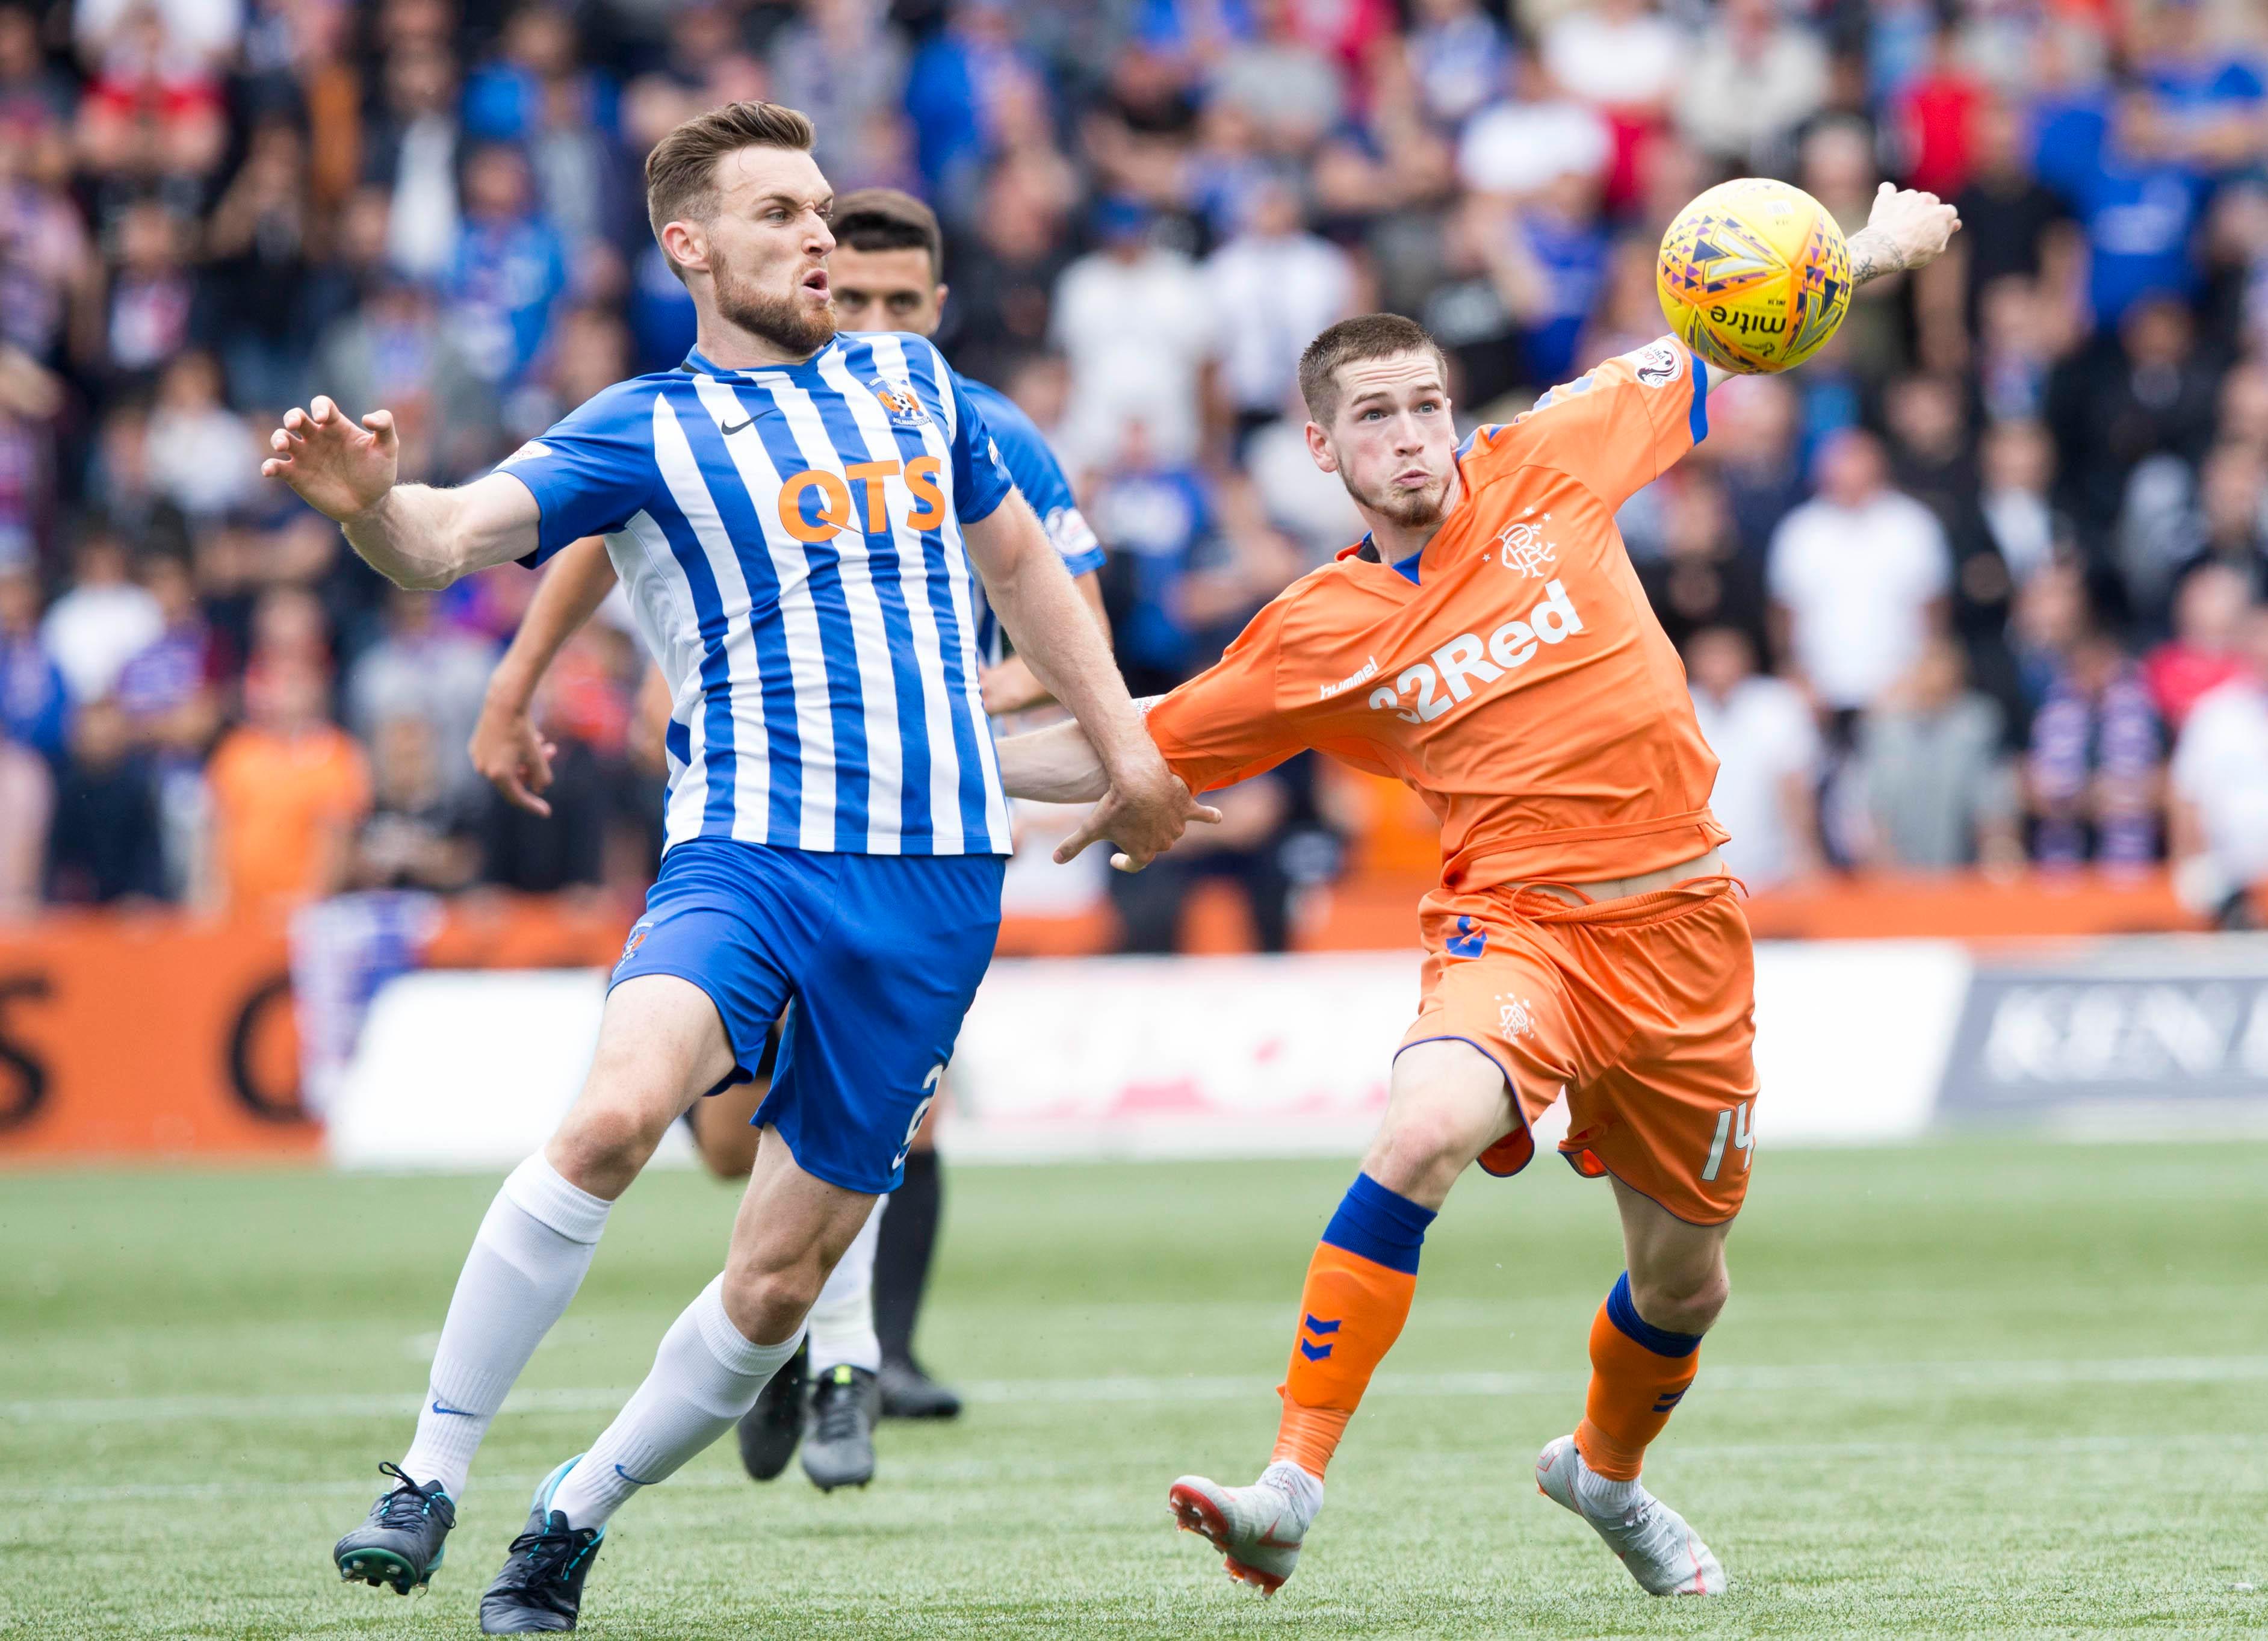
(545, 547)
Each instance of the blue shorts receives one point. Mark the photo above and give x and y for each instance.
(881, 955)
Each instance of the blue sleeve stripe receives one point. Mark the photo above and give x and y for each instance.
(1700, 396)
(1623, 1313)
(1379, 1226)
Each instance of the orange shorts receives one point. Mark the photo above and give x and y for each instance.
(1642, 1009)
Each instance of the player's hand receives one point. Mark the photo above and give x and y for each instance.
(1145, 822)
(340, 469)
(512, 756)
(1010, 687)
(1909, 229)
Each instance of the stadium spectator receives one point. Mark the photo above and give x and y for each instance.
(1756, 444)
(104, 620)
(421, 668)
(2218, 788)
(2091, 775)
(2209, 618)
(2016, 477)
(511, 267)
(1756, 77)
(27, 802)
(842, 63)
(31, 401)
(147, 310)
(1515, 147)
(260, 276)
(35, 702)
(411, 151)
(107, 843)
(1768, 759)
(289, 787)
(1860, 575)
(1162, 523)
(173, 711)
(954, 89)
(2228, 528)
(1134, 321)
(1704, 578)
(37, 101)
(1285, 82)
(1272, 286)
(417, 834)
(1459, 56)
(1938, 789)
(201, 455)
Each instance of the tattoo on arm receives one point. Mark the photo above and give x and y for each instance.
(1872, 257)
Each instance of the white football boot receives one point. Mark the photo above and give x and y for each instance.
(1648, 1537)
(1258, 1528)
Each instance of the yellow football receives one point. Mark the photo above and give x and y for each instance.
(1754, 275)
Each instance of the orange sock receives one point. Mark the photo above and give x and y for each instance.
(1638, 1374)
(1357, 1297)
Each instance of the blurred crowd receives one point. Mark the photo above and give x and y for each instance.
(1984, 586)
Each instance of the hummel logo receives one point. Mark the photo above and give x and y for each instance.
(730, 428)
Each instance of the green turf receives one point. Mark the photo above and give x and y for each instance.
(1959, 1391)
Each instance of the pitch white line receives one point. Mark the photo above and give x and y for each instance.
(965, 1471)
(1873, 1379)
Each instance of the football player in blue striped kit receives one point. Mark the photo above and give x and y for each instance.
(886, 272)
(798, 518)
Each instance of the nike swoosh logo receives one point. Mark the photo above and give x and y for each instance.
(729, 428)
(463, 1413)
(632, 1479)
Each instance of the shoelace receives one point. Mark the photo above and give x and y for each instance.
(545, 1558)
(408, 1504)
(836, 1407)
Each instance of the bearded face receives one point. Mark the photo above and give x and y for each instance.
(782, 314)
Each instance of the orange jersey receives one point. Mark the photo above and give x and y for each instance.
(1513, 673)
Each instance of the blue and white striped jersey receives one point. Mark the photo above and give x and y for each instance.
(789, 538)
(1023, 450)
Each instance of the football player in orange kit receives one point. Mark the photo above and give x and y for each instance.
(1489, 643)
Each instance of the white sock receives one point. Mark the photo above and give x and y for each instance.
(1602, 1495)
(705, 1376)
(841, 1320)
(1302, 1487)
(525, 1265)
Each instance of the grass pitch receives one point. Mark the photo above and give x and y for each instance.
(1960, 1390)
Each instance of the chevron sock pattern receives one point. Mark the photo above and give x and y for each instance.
(1638, 1374)
(1359, 1286)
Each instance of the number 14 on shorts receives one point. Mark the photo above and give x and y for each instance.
(1734, 1126)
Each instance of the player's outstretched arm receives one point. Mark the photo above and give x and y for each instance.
(412, 534)
(1906, 229)
(1146, 808)
(506, 748)
(1058, 765)
(1054, 765)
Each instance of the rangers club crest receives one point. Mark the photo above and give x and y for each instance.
(905, 409)
(1521, 546)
